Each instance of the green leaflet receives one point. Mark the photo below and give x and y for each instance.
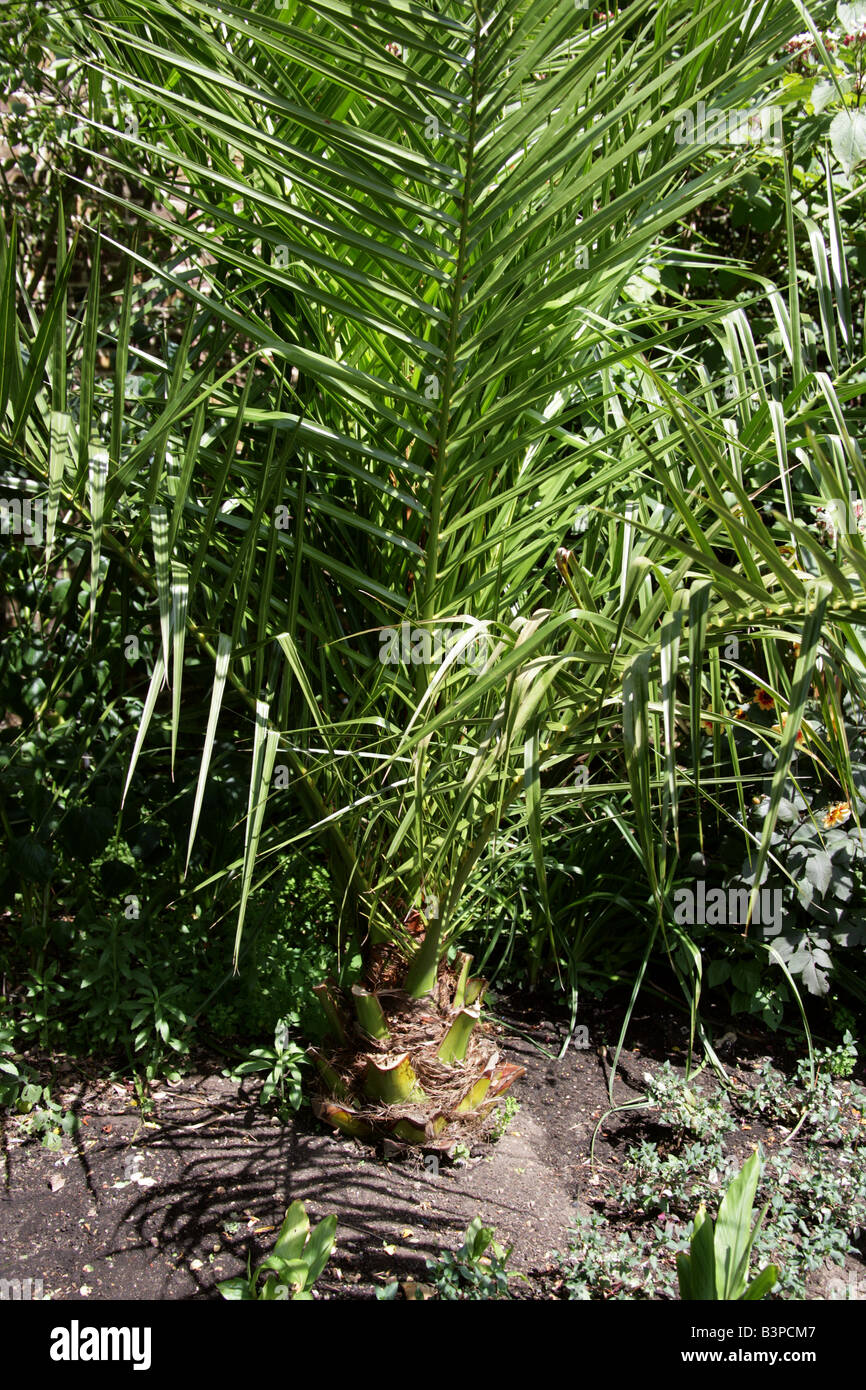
(60, 457)
(98, 475)
(224, 647)
(179, 604)
(159, 530)
(265, 742)
(156, 681)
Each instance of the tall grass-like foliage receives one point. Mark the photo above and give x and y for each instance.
(459, 519)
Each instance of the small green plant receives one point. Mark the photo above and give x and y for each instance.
(605, 1263)
(830, 1106)
(717, 1265)
(21, 1092)
(841, 1060)
(817, 1206)
(47, 1121)
(13, 1075)
(477, 1270)
(504, 1116)
(685, 1107)
(282, 1062)
(142, 1095)
(298, 1259)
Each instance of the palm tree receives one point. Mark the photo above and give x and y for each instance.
(425, 227)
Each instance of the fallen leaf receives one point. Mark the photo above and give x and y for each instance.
(416, 1292)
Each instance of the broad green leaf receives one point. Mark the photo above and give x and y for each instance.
(851, 18)
(236, 1289)
(319, 1247)
(848, 138)
(293, 1233)
(762, 1283)
(697, 1269)
(733, 1230)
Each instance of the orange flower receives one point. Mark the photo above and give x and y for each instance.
(777, 729)
(837, 814)
(707, 726)
(741, 712)
(762, 699)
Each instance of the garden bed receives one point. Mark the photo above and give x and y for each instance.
(163, 1200)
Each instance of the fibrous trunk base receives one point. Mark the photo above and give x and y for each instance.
(433, 1075)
